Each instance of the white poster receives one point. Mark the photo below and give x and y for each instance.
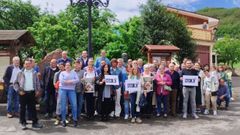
(111, 80)
(190, 80)
(132, 85)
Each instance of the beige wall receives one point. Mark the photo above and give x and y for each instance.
(4, 62)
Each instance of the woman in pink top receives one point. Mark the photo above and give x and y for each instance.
(162, 79)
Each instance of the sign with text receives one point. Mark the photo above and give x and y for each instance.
(190, 80)
(132, 85)
(111, 80)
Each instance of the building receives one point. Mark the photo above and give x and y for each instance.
(203, 30)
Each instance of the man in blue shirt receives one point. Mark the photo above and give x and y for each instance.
(103, 57)
(64, 58)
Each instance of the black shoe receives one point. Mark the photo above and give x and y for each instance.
(23, 126)
(64, 124)
(37, 125)
(75, 123)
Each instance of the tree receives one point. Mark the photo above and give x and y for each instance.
(126, 39)
(16, 14)
(161, 26)
(228, 50)
(69, 32)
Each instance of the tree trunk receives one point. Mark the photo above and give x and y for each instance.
(71, 2)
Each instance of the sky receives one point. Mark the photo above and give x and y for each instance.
(124, 9)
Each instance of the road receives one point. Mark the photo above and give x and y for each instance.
(226, 123)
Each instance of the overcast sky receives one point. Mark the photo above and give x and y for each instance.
(128, 8)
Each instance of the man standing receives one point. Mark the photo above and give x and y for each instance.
(84, 59)
(175, 87)
(103, 57)
(28, 86)
(116, 71)
(12, 96)
(189, 91)
(48, 85)
(64, 58)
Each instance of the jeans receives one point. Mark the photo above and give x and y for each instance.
(12, 100)
(133, 97)
(79, 104)
(230, 88)
(189, 92)
(226, 99)
(126, 106)
(71, 95)
(117, 103)
(162, 98)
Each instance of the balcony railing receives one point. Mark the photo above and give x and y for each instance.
(201, 34)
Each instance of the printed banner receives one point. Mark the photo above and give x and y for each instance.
(111, 80)
(132, 85)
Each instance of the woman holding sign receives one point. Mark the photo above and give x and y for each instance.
(104, 93)
(147, 87)
(134, 98)
(164, 82)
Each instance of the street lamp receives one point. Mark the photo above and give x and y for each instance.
(90, 4)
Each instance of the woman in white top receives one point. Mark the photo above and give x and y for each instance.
(210, 88)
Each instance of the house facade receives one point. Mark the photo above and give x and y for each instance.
(203, 30)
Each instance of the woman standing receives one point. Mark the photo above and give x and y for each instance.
(68, 80)
(105, 93)
(147, 87)
(229, 81)
(134, 98)
(164, 82)
(88, 80)
(199, 92)
(210, 88)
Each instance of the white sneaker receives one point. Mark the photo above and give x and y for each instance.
(133, 120)
(185, 116)
(206, 112)
(158, 115)
(195, 116)
(126, 117)
(111, 114)
(232, 99)
(138, 109)
(138, 120)
(215, 113)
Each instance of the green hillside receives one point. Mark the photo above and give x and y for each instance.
(229, 20)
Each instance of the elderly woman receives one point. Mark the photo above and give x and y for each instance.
(68, 80)
(147, 88)
(164, 83)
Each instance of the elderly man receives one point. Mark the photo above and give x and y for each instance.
(47, 79)
(103, 57)
(12, 95)
(64, 58)
(28, 86)
(84, 59)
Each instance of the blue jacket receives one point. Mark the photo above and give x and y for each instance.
(84, 64)
(61, 60)
(223, 90)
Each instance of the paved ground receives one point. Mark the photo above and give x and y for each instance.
(226, 123)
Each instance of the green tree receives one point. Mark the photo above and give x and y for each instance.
(69, 31)
(228, 50)
(161, 26)
(16, 14)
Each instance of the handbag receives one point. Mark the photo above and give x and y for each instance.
(143, 101)
(168, 88)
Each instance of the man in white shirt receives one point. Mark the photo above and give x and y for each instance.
(12, 95)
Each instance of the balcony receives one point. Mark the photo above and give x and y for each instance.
(201, 34)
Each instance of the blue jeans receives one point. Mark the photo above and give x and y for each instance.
(133, 97)
(71, 95)
(126, 106)
(230, 88)
(160, 99)
(226, 99)
(79, 104)
(12, 100)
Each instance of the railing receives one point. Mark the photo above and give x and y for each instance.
(201, 34)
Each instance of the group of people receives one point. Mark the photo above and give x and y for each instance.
(81, 88)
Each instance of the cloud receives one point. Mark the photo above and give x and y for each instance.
(236, 2)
